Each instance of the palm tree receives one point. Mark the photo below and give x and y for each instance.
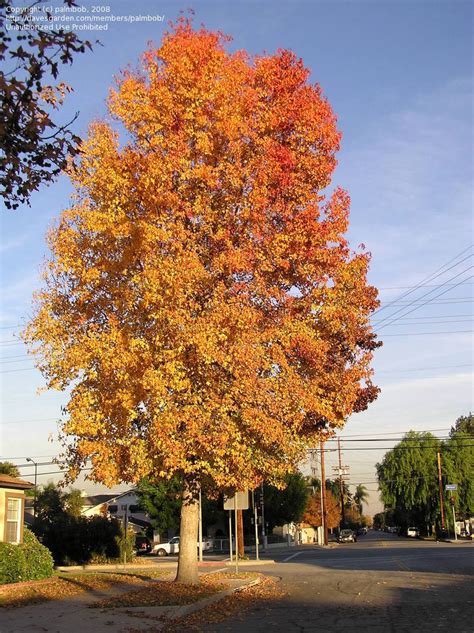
(361, 496)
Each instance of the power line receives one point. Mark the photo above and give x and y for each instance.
(426, 333)
(443, 302)
(435, 317)
(399, 432)
(422, 322)
(424, 285)
(437, 273)
(384, 371)
(392, 320)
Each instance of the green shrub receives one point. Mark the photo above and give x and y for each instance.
(12, 563)
(81, 540)
(126, 543)
(26, 561)
(38, 559)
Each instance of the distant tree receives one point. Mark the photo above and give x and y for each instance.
(361, 496)
(312, 513)
(53, 503)
(73, 502)
(458, 465)
(335, 487)
(408, 476)
(50, 504)
(161, 500)
(464, 424)
(408, 480)
(379, 520)
(287, 505)
(34, 148)
(7, 468)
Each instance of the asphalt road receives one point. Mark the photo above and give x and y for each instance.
(381, 583)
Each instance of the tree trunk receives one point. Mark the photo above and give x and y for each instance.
(187, 559)
(240, 527)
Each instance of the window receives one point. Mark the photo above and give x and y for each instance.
(112, 509)
(13, 520)
(133, 509)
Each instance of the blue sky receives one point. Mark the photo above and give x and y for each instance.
(399, 76)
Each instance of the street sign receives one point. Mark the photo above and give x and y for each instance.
(451, 486)
(242, 501)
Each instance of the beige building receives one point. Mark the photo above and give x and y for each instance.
(12, 508)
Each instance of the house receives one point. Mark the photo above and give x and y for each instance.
(12, 508)
(123, 506)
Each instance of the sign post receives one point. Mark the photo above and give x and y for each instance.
(200, 526)
(255, 519)
(236, 536)
(452, 488)
(230, 535)
(240, 501)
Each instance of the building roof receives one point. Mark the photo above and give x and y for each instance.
(7, 481)
(97, 500)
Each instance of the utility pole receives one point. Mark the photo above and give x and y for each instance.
(323, 494)
(32, 461)
(255, 520)
(440, 480)
(342, 471)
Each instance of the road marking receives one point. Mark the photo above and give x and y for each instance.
(401, 565)
(285, 560)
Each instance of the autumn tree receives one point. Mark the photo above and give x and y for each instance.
(202, 302)
(312, 512)
(34, 147)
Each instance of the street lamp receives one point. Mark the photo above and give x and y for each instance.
(28, 459)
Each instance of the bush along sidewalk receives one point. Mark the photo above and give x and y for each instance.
(26, 561)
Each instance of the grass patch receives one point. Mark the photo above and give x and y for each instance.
(67, 585)
(166, 593)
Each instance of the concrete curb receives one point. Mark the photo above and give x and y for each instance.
(188, 609)
(175, 613)
(115, 568)
(250, 563)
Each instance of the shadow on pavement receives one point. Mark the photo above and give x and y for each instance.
(368, 602)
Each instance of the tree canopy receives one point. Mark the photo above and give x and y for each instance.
(34, 148)
(312, 511)
(202, 301)
(285, 505)
(408, 477)
(8, 468)
(361, 496)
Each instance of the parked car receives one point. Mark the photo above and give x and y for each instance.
(165, 549)
(413, 532)
(172, 547)
(142, 544)
(347, 536)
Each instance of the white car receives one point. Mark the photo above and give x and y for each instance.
(413, 532)
(172, 547)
